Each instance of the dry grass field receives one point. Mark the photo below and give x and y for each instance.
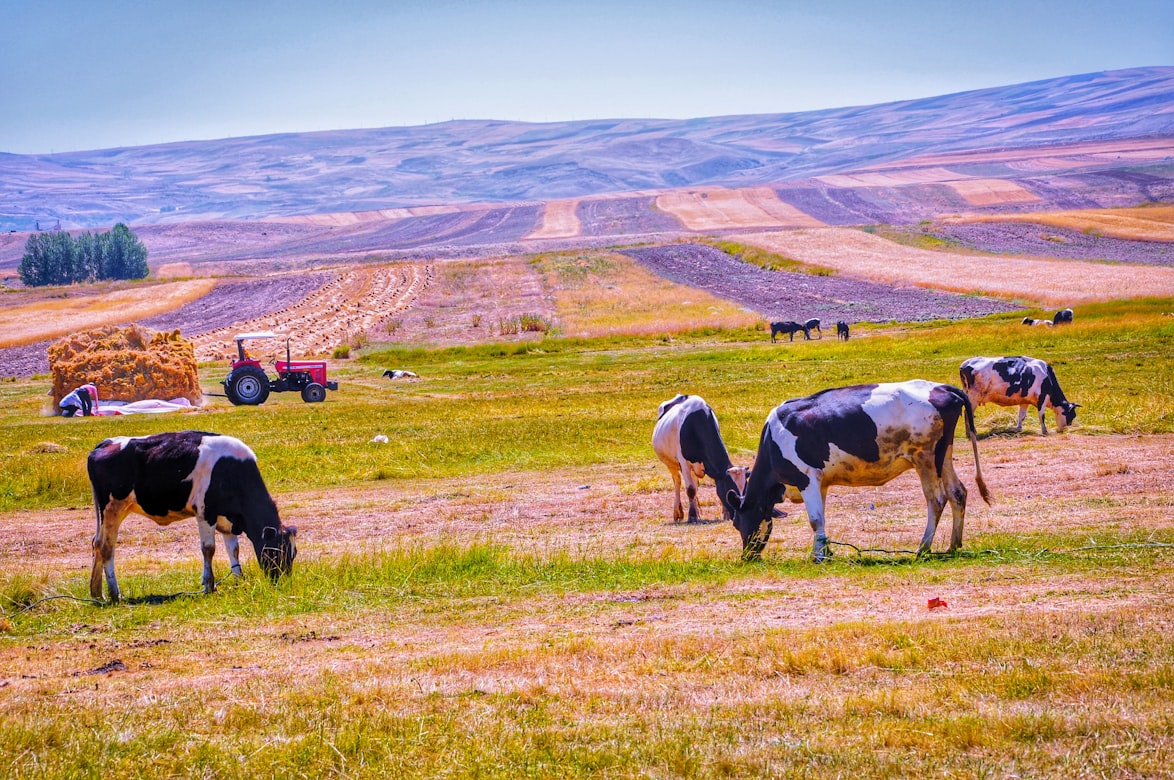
(718, 208)
(35, 315)
(1044, 282)
(1151, 223)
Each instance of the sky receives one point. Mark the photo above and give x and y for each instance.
(96, 74)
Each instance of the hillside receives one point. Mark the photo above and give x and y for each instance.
(1101, 139)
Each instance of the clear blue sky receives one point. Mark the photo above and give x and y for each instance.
(94, 74)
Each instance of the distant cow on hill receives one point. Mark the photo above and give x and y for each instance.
(1037, 323)
(1062, 317)
(842, 330)
(172, 476)
(688, 441)
(1017, 381)
(790, 328)
(813, 324)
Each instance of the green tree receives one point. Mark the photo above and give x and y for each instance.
(54, 257)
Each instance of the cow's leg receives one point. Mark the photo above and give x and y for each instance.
(956, 494)
(208, 548)
(935, 501)
(1022, 415)
(815, 499)
(105, 539)
(232, 544)
(691, 484)
(675, 471)
(1043, 410)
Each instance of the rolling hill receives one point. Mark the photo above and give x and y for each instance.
(1099, 139)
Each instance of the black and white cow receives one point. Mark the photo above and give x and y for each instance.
(813, 324)
(688, 441)
(842, 330)
(864, 435)
(790, 328)
(173, 476)
(1037, 323)
(1062, 317)
(1017, 381)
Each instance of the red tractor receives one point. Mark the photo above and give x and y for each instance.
(247, 382)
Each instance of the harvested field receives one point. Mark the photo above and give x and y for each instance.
(1050, 282)
(559, 220)
(1152, 223)
(798, 296)
(1029, 238)
(720, 209)
(634, 216)
(989, 192)
(466, 301)
(357, 301)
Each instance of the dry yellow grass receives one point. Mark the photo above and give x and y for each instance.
(626, 298)
(559, 220)
(1046, 282)
(1150, 223)
(51, 318)
(990, 192)
(717, 208)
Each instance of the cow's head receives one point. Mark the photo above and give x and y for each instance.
(1065, 414)
(278, 549)
(753, 523)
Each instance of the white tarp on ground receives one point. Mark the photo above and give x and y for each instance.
(151, 406)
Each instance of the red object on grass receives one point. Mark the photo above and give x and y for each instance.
(936, 603)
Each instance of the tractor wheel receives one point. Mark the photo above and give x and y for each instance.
(313, 393)
(247, 385)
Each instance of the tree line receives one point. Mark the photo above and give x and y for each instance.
(56, 257)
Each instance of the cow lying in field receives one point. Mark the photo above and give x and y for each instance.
(1037, 323)
(1017, 381)
(688, 441)
(173, 476)
(788, 327)
(864, 435)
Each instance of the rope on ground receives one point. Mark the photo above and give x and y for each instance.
(860, 551)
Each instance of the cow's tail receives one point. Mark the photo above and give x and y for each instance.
(973, 435)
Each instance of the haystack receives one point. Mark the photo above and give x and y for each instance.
(127, 364)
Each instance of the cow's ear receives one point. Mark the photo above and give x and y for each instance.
(733, 499)
(268, 532)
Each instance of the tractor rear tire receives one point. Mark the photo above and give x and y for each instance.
(247, 385)
(313, 393)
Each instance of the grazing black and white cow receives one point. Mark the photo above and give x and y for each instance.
(813, 324)
(1017, 381)
(1062, 317)
(790, 328)
(688, 441)
(172, 476)
(1037, 323)
(864, 435)
(399, 373)
(842, 330)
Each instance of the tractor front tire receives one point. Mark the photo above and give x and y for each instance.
(313, 393)
(247, 385)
